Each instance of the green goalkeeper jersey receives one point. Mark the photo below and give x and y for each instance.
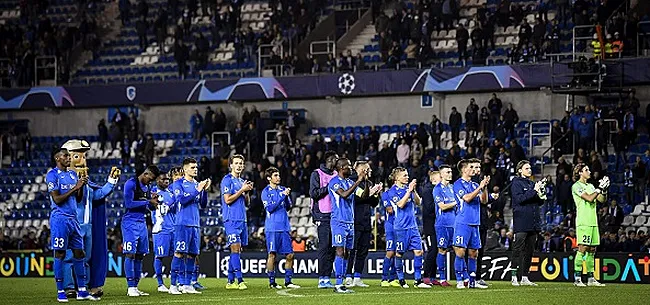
(585, 210)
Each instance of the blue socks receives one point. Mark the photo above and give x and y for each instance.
(189, 269)
(386, 266)
(177, 266)
(197, 271)
(58, 274)
(236, 266)
(231, 271)
(339, 269)
(137, 271)
(288, 275)
(357, 275)
(417, 266)
(442, 268)
(80, 272)
(471, 268)
(157, 266)
(129, 271)
(459, 266)
(399, 266)
(393, 271)
(271, 275)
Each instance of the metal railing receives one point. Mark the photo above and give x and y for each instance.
(316, 47)
(531, 135)
(576, 30)
(261, 55)
(45, 64)
(562, 138)
(270, 138)
(608, 123)
(640, 33)
(214, 139)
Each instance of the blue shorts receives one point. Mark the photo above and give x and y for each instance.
(187, 239)
(279, 242)
(390, 240)
(135, 238)
(407, 240)
(236, 233)
(444, 237)
(342, 234)
(467, 236)
(66, 233)
(163, 244)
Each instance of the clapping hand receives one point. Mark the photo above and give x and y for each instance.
(376, 188)
(247, 186)
(412, 185)
(484, 182)
(286, 191)
(603, 184)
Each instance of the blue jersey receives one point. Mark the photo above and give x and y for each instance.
(235, 211)
(62, 181)
(405, 216)
(175, 189)
(390, 217)
(342, 208)
(276, 205)
(469, 213)
(136, 200)
(164, 217)
(190, 200)
(444, 194)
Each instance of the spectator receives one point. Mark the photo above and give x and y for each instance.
(141, 27)
(403, 154)
(547, 246)
(416, 150)
(494, 105)
(181, 55)
(471, 123)
(455, 120)
(149, 149)
(505, 239)
(220, 121)
(298, 244)
(208, 123)
(462, 37)
(436, 129)
(196, 124)
(525, 33)
(485, 121)
(511, 118)
(103, 134)
(565, 197)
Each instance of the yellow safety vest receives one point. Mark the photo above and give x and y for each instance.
(596, 45)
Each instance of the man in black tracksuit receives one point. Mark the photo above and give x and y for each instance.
(428, 228)
(318, 191)
(527, 197)
(365, 202)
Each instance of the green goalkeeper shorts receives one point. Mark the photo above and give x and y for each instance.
(588, 235)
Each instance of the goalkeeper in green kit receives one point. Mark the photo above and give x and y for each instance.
(586, 198)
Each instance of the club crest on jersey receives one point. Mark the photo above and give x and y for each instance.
(225, 189)
(177, 192)
(50, 186)
(130, 93)
(336, 186)
(395, 199)
(438, 198)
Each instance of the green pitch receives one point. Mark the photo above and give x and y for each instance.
(27, 291)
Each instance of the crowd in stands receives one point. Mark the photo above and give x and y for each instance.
(485, 129)
(35, 34)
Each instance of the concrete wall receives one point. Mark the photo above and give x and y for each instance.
(530, 105)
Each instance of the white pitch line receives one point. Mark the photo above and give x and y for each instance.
(285, 292)
(143, 301)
